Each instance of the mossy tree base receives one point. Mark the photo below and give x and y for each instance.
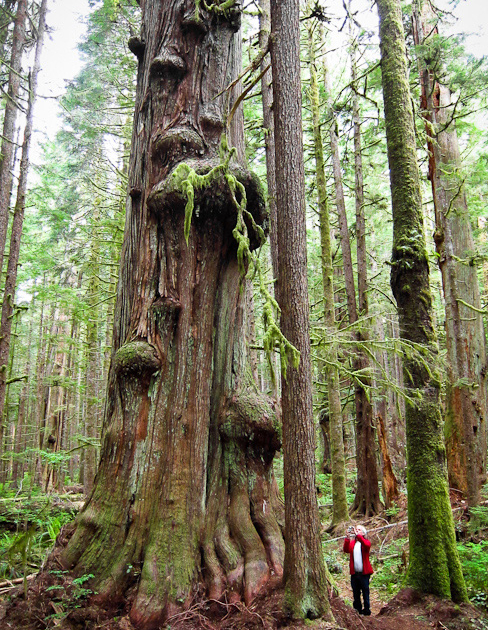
(185, 493)
(186, 465)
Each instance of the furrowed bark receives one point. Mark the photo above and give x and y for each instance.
(466, 414)
(185, 492)
(305, 577)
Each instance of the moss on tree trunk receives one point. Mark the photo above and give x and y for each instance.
(185, 492)
(434, 565)
(466, 400)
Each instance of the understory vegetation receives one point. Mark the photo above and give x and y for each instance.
(30, 521)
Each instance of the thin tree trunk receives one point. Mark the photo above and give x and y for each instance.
(268, 125)
(434, 565)
(93, 354)
(18, 219)
(338, 462)
(6, 19)
(466, 400)
(10, 117)
(305, 576)
(367, 499)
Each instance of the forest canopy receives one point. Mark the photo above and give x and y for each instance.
(244, 300)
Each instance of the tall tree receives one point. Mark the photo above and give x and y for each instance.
(9, 121)
(305, 577)
(18, 219)
(338, 462)
(466, 400)
(367, 498)
(434, 565)
(178, 383)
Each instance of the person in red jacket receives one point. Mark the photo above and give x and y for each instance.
(357, 546)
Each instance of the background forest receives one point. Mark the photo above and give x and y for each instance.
(62, 218)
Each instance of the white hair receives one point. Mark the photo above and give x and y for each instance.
(362, 530)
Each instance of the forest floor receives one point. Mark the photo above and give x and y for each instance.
(392, 608)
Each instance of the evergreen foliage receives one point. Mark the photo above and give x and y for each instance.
(73, 234)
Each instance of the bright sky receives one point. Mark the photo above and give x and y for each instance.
(61, 61)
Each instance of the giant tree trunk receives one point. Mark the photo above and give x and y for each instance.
(466, 400)
(185, 484)
(305, 577)
(434, 565)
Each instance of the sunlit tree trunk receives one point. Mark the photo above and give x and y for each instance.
(466, 400)
(434, 565)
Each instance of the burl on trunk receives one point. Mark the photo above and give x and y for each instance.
(185, 491)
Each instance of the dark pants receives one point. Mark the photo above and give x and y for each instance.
(360, 584)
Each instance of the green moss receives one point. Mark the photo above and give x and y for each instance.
(273, 337)
(223, 8)
(434, 564)
(187, 181)
(136, 357)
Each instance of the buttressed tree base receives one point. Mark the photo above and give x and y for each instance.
(185, 491)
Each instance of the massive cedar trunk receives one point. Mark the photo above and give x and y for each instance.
(466, 400)
(184, 490)
(434, 565)
(305, 577)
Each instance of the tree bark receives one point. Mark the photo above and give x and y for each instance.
(6, 18)
(185, 488)
(268, 125)
(434, 565)
(9, 120)
(367, 498)
(466, 400)
(18, 219)
(93, 359)
(305, 577)
(338, 462)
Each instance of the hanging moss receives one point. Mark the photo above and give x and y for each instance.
(187, 181)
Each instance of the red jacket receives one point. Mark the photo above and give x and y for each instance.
(365, 547)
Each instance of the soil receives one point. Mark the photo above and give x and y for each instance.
(56, 602)
(407, 611)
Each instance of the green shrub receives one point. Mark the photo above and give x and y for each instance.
(390, 571)
(474, 560)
